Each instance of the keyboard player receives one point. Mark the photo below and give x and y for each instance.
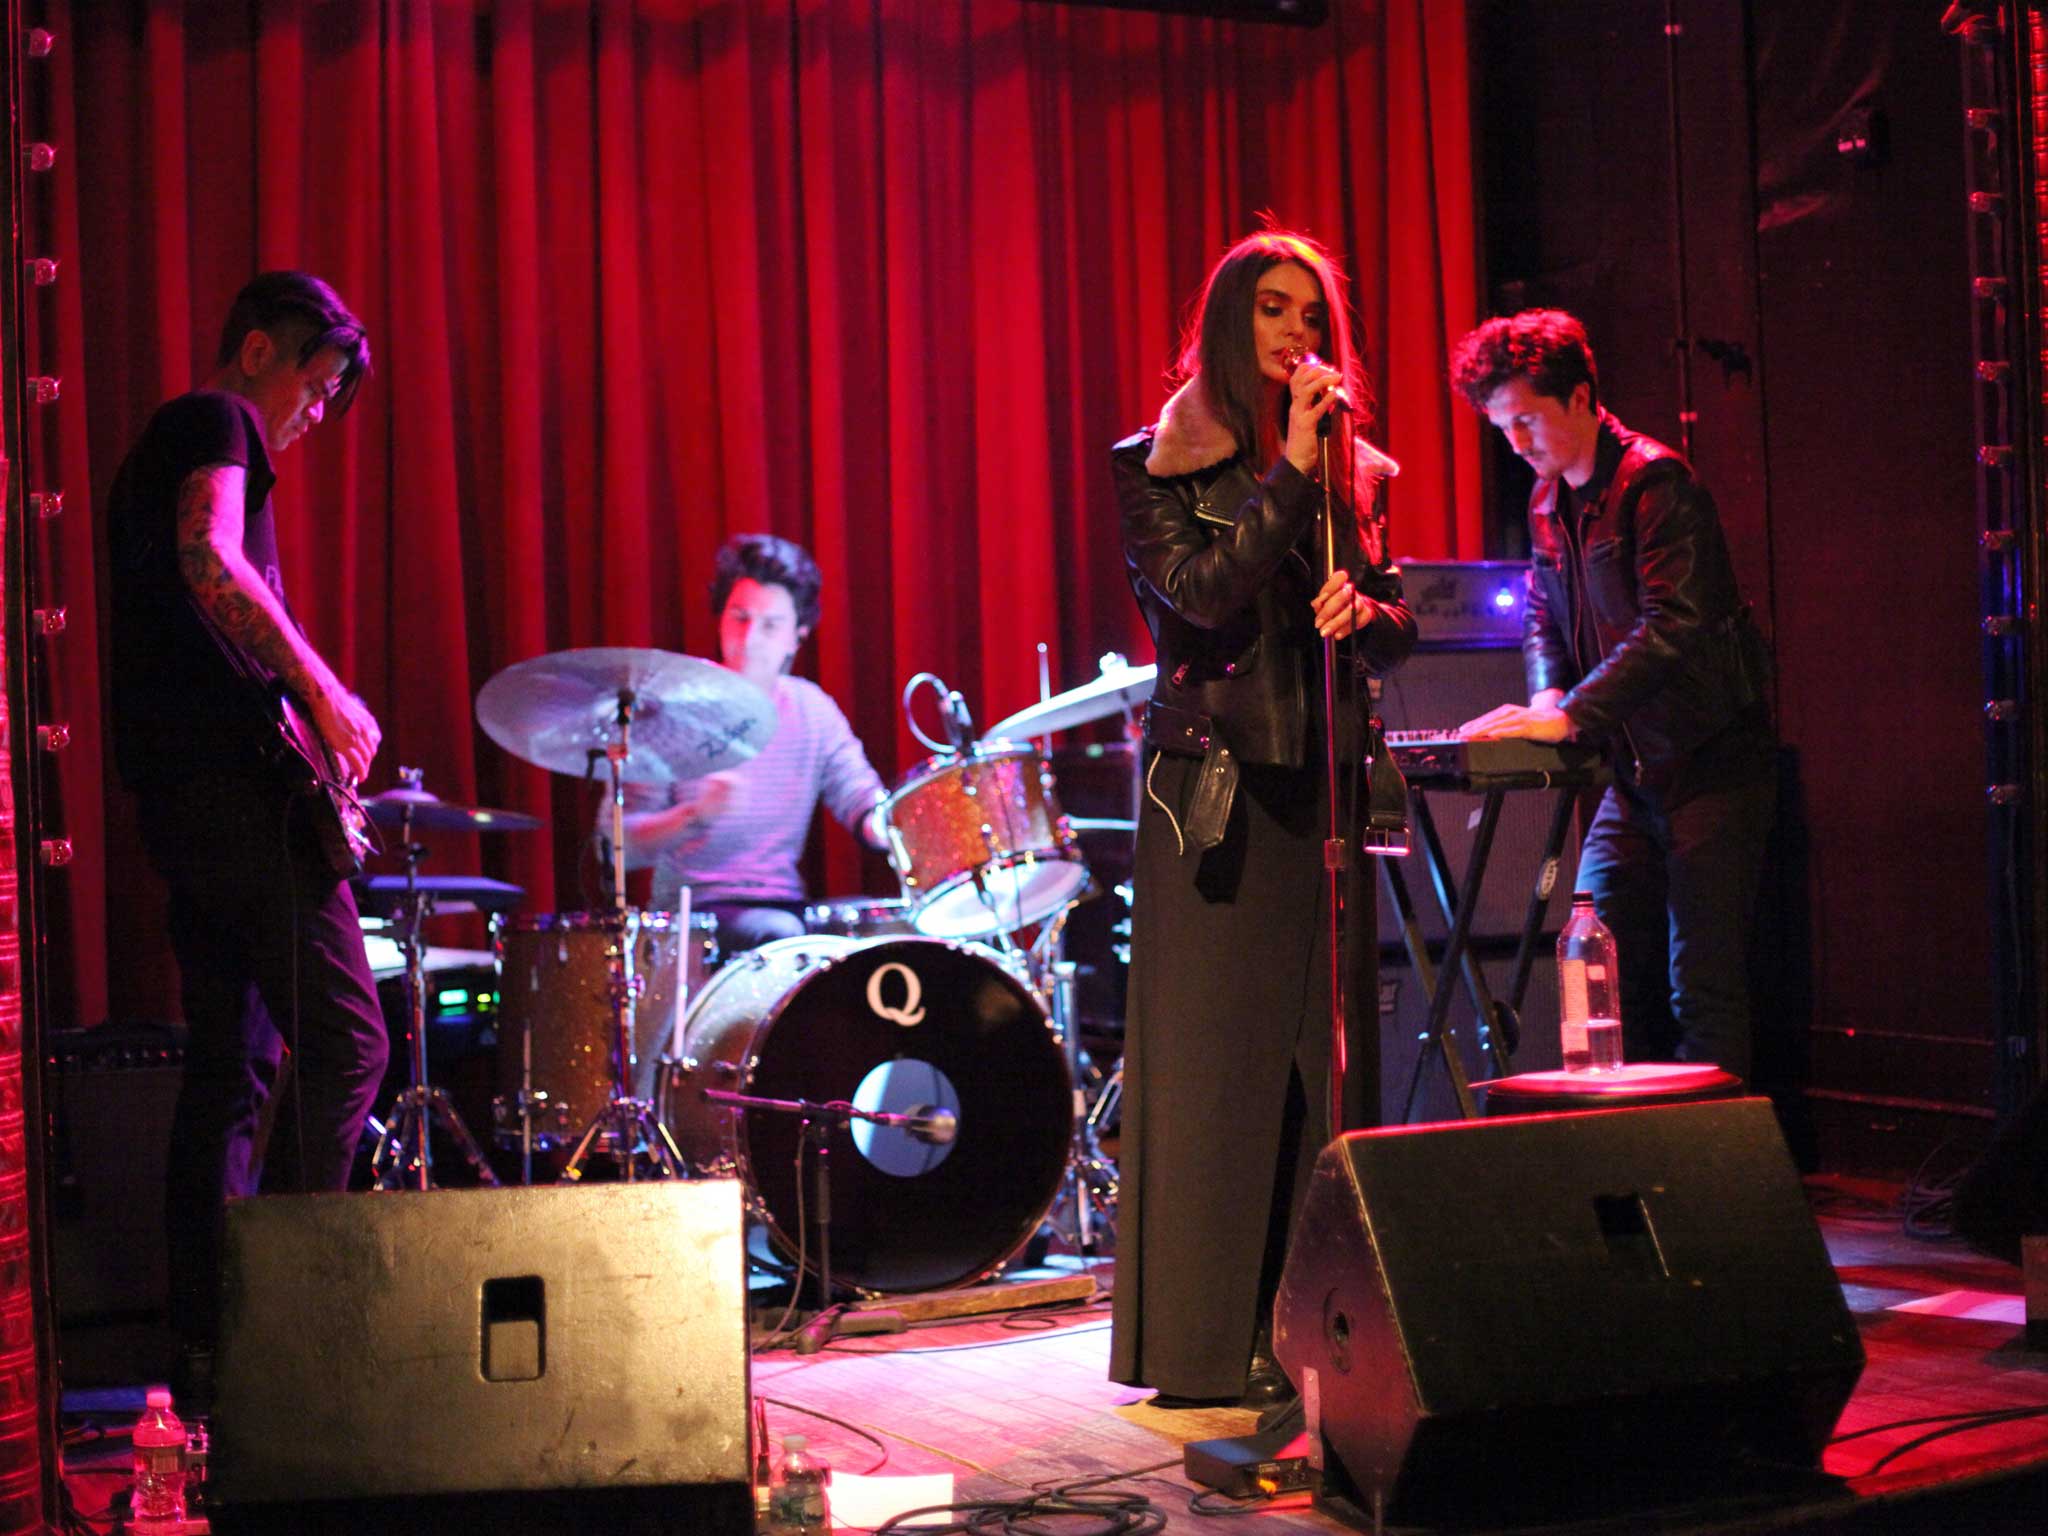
(1636, 637)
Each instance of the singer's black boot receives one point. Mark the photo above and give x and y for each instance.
(1265, 1384)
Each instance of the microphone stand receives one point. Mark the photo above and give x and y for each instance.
(1336, 855)
(819, 1121)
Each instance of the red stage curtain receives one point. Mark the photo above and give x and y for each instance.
(885, 277)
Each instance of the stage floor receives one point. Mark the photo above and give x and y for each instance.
(1018, 1402)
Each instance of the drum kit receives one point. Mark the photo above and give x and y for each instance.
(937, 1033)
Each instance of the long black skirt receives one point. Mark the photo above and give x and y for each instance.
(1226, 1067)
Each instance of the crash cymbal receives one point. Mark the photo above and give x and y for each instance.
(430, 813)
(1119, 688)
(690, 716)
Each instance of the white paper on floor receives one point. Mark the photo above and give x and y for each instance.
(868, 1501)
(1976, 1306)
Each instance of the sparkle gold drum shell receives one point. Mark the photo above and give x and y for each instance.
(980, 844)
(555, 1010)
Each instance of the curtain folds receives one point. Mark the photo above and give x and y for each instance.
(886, 278)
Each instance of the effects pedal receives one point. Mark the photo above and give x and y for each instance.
(1252, 1466)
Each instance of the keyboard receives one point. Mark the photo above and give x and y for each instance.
(1437, 759)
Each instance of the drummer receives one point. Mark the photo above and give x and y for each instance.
(734, 838)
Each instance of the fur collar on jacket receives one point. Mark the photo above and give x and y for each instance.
(1190, 436)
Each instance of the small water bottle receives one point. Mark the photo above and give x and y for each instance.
(156, 1502)
(1589, 991)
(798, 1501)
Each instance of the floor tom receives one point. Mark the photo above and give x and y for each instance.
(555, 1010)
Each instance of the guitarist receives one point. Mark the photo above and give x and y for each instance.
(265, 931)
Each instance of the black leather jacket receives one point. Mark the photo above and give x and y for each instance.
(1224, 565)
(1675, 658)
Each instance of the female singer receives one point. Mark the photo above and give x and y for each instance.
(1228, 1033)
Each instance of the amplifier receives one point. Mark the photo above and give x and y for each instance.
(110, 1093)
(1464, 603)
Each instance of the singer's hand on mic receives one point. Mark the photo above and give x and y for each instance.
(1341, 609)
(1314, 392)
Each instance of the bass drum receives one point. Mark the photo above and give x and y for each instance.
(893, 1025)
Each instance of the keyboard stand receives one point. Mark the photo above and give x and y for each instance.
(1499, 1020)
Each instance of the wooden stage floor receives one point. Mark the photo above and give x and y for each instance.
(1010, 1405)
(1017, 1402)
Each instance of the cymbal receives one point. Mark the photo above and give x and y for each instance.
(690, 716)
(1117, 690)
(430, 813)
(384, 895)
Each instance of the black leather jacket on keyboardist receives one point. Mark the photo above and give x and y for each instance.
(1675, 658)
(1224, 565)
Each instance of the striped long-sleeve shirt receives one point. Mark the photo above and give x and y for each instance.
(749, 850)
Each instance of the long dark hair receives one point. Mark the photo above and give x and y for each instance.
(1218, 354)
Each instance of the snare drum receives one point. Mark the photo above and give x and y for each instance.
(896, 1025)
(980, 845)
(555, 1010)
(860, 917)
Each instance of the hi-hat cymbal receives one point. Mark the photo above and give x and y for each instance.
(430, 813)
(1118, 689)
(385, 895)
(690, 716)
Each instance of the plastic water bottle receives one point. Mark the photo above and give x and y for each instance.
(1589, 991)
(798, 1501)
(157, 1500)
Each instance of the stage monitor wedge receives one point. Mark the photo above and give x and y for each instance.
(1484, 1312)
(464, 1352)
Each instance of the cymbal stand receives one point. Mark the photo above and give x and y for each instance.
(404, 1158)
(624, 1125)
(1089, 1186)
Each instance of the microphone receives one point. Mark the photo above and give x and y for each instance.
(928, 1123)
(959, 722)
(931, 1125)
(1342, 401)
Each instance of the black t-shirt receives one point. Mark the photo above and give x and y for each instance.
(186, 698)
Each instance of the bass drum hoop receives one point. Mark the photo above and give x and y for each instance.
(719, 1141)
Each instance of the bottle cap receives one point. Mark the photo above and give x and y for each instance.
(794, 1442)
(157, 1397)
(1582, 895)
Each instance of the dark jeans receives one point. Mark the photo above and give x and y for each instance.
(270, 956)
(1677, 885)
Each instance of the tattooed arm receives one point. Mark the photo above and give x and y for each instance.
(241, 604)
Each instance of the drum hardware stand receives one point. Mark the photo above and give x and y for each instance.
(404, 1158)
(624, 1124)
(1091, 1180)
(819, 1122)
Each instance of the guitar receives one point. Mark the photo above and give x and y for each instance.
(340, 825)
